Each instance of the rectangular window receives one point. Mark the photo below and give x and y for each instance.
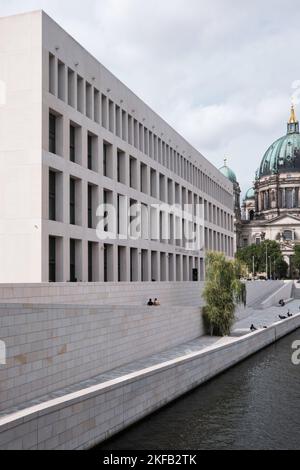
(88, 100)
(71, 88)
(133, 173)
(72, 143)
(129, 130)
(52, 195)
(107, 160)
(52, 74)
(104, 111)
(121, 166)
(111, 115)
(79, 94)
(90, 261)
(143, 178)
(52, 259)
(52, 133)
(72, 201)
(96, 105)
(73, 261)
(90, 206)
(61, 81)
(90, 152)
(118, 121)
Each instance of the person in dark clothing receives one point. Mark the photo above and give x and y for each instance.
(150, 303)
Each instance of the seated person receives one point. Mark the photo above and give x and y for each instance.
(150, 303)
(252, 328)
(156, 303)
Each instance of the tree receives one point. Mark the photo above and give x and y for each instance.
(267, 250)
(296, 259)
(223, 291)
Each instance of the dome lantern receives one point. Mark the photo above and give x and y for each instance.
(227, 172)
(293, 124)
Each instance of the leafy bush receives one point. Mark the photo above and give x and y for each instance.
(223, 292)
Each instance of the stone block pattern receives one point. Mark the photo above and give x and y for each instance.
(51, 347)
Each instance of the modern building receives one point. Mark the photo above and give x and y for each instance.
(74, 138)
(271, 208)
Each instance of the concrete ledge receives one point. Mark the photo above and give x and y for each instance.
(82, 419)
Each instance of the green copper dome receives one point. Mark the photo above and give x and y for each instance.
(250, 194)
(283, 156)
(228, 173)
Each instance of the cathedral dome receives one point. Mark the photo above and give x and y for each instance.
(250, 194)
(228, 173)
(283, 156)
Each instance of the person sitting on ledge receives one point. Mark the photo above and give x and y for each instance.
(150, 303)
(282, 317)
(281, 303)
(289, 314)
(156, 303)
(252, 328)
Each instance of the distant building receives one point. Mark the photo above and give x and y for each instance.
(271, 209)
(229, 174)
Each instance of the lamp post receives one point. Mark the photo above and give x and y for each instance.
(271, 273)
(253, 266)
(267, 269)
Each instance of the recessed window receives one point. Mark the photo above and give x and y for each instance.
(121, 167)
(72, 201)
(61, 81)
(52, 133)
(52, 74)
(75, 143)
(71, 87)
(72, 143)
(107, 160)
(52, 259)
(92, 152)
(52, 195)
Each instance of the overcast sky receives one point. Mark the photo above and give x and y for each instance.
(219, 71)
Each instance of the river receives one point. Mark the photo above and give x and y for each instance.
(254, 405)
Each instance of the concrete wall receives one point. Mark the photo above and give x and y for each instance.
(85, 418)
(136, 293)
(169, 293)
(51, 347)
(20, 148)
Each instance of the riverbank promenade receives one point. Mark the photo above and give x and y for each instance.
(85, 412)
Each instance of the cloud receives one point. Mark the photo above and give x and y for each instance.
(220, 72)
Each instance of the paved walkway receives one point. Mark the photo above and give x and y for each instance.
(266, 317)
(259, 318)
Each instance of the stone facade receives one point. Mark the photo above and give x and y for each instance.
(73, 138)
(271, 209)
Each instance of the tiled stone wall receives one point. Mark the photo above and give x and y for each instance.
(51, 347)
(124, 293)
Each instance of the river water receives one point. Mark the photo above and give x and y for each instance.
(255, 405)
